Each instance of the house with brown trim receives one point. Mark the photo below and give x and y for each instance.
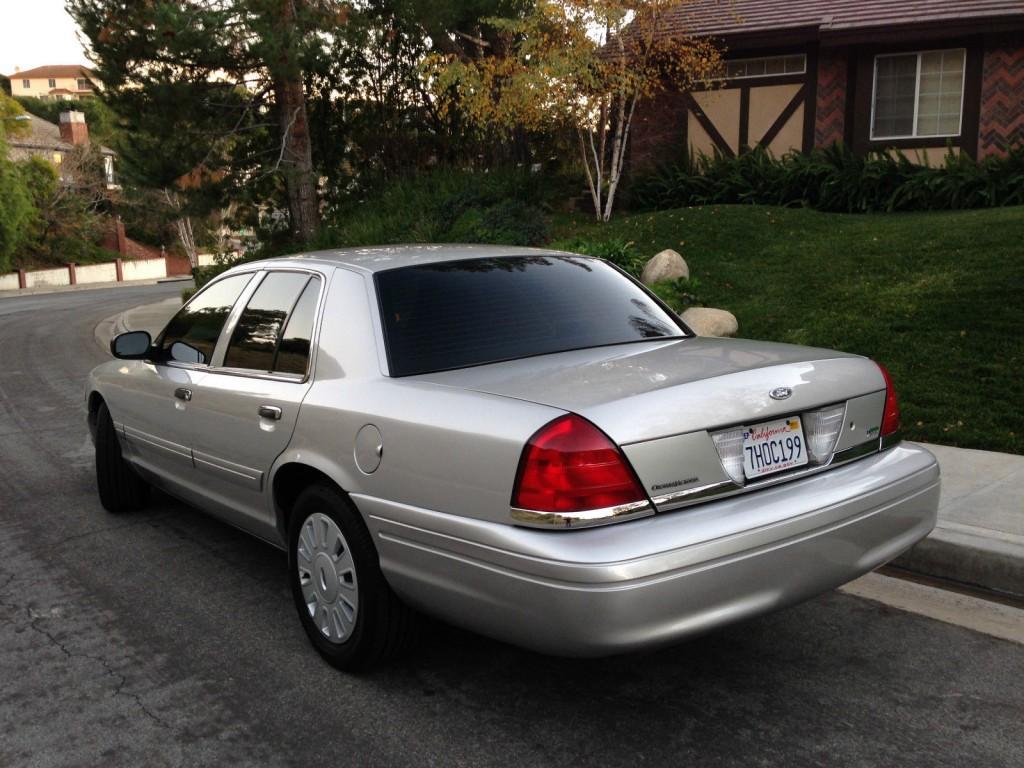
(922, 76)
(57, 82)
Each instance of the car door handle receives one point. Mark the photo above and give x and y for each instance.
(270, 412)
(183, 394)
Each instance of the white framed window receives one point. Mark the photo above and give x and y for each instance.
(764, 66)
(918, 95)
(52, 82)
(26, 84)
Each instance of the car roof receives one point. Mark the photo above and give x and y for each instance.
(378, 258)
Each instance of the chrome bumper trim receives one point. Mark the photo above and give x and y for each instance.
(584, 519)
(693, 495)
(670, 502)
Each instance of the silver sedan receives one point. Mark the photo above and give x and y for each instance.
(525, 443)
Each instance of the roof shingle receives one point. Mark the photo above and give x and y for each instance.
(54, 71)
(732, 17)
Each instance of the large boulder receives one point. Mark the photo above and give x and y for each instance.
(667, 265)
(711, 322)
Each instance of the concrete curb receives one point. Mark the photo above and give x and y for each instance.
(975, 557)
(979, 539)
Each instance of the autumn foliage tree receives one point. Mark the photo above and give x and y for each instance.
(577, 64)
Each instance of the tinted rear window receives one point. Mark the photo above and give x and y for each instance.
(458, 314)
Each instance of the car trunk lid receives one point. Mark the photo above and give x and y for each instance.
(643, 391)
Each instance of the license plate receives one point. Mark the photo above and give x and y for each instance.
(774, 446)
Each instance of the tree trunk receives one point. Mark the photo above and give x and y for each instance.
(296, 158)
(619, 154)
(183, 225)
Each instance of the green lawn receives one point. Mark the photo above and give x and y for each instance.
(936, 297)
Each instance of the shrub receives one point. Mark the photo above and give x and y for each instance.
(222, 263)
(17, 213)
(680, 294)
(510, 222)
(835, 180)
(616, 250)
(502, 206)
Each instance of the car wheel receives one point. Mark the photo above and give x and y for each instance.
(121, 490)
(344, 603)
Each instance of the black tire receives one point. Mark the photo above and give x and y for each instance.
(121, 490)
(384, 627)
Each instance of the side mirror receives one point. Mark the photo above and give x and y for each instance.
(133, 345)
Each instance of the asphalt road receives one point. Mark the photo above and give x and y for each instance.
(167, 638)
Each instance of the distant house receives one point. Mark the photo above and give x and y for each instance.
(54, 82)
(55, 143)
(921, 76)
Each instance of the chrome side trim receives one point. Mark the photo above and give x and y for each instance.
(229, 470)
(246, 373)
(585, 519)
(133, 435)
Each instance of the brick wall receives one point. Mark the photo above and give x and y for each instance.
(1002, 100)
(659, 128)
(114, 239)
(830, 115)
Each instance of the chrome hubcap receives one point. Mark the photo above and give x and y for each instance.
(327, 577)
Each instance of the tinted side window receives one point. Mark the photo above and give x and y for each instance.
(293, 351)
(196, 327)
(254, 340)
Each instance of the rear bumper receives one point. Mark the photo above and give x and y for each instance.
(650, 582)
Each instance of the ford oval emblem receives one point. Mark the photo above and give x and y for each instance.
(780, 393)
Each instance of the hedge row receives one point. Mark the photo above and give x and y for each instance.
(836, 180)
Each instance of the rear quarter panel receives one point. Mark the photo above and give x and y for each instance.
(444, 448)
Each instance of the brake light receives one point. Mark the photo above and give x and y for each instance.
(569, 465)
(891, 414)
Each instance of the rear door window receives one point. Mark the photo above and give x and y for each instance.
(192, 333)
(270, 335)
(293, 351)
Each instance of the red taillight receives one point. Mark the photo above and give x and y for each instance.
(569, 465)
(891, 414)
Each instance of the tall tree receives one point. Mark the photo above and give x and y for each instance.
(212, 91)
(578, 64)
(16, 210)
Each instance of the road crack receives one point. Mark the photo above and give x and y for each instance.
(121, 679)
(98, 531)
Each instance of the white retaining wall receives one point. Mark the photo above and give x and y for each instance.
(96, 273)
(137, 269)
(38, 277)
(144, 269)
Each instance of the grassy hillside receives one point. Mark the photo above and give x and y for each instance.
(937, 297)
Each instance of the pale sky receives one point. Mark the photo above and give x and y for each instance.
(37, 32)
